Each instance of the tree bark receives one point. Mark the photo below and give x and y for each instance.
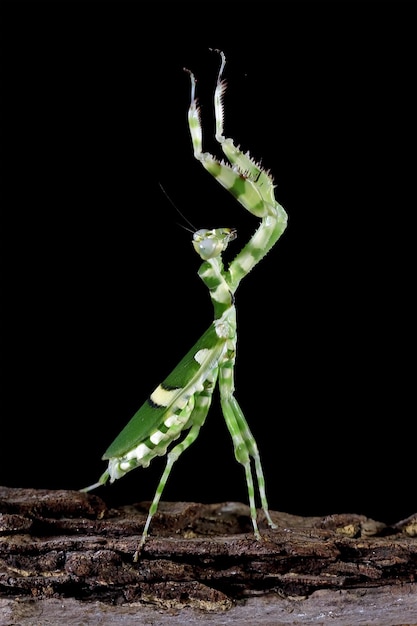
(67, 556)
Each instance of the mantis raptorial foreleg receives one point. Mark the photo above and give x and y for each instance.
(180, 404)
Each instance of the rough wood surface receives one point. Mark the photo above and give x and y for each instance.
(66, 556)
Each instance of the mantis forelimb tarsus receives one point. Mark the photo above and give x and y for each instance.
(179, 405)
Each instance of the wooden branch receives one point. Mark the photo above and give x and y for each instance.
(67, 545)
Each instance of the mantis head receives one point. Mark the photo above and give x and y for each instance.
(212, 243)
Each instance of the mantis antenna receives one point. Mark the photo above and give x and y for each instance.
(193, 229)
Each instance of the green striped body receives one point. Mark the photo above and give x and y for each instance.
(171, 418)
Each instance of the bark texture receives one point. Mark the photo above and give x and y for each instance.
(66, 557)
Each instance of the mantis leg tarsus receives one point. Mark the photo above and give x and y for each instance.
(101, 481)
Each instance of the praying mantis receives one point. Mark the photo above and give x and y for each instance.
(179, 405)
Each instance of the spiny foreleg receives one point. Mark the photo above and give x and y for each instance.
(246, 180)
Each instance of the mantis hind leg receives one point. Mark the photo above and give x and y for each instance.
(245, 448)
(197, 419)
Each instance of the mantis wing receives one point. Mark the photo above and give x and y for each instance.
(172, 394)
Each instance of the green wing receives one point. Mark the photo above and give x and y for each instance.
(183, 377)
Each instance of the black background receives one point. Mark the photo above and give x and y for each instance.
(101, 294)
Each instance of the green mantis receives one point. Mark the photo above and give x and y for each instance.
(179, 405)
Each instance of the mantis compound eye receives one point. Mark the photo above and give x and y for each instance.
(207, 244)
(207, 248)
(211, 243)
